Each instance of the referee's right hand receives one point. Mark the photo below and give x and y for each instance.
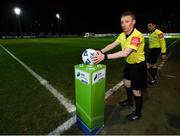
(164, 57)
(98, 58)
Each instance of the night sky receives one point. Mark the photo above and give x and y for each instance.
(79, 17)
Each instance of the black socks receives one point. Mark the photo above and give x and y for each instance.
(138, 101)
(129, 95)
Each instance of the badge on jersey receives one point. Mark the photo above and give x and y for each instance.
(161, 35)
(135, 41)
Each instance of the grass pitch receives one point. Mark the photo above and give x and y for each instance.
(26, 106)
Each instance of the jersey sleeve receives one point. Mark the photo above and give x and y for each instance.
(119, 39)
(162, 42)
(134, 42)
(163, 45)
(161, 35)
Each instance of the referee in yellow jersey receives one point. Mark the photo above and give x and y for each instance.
(157, 47)
(135, 72)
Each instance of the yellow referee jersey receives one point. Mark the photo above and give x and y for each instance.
(135, 41)
(156, 40)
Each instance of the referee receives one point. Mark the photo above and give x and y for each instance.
(157, 47)
(131, 42)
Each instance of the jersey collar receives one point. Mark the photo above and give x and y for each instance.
(153, 30)
(130, 33)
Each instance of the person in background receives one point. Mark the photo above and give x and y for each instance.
(157, 47)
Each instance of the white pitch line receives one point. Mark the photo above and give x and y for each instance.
(113, 89)
(171, 76)
(65, 126)
(172, 43)
(64, 101)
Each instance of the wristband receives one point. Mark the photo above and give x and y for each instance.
(105, 57)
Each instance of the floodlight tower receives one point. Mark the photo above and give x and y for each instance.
(17, 11)
(58, 21)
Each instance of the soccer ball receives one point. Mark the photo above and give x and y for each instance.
(87, 56)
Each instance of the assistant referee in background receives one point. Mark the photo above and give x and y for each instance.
(157, 47)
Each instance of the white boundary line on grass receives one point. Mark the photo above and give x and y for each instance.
(64, 101)
(65, 126)
(113, 89)
(172, 43)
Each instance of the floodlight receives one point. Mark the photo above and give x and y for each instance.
(58, 16)
(17, 11)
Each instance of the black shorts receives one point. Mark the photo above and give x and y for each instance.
(137, 74)
(154, 54)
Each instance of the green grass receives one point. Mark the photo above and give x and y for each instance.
(54, 59)
(26, 106)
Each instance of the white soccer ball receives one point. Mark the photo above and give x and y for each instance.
(87, 56)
